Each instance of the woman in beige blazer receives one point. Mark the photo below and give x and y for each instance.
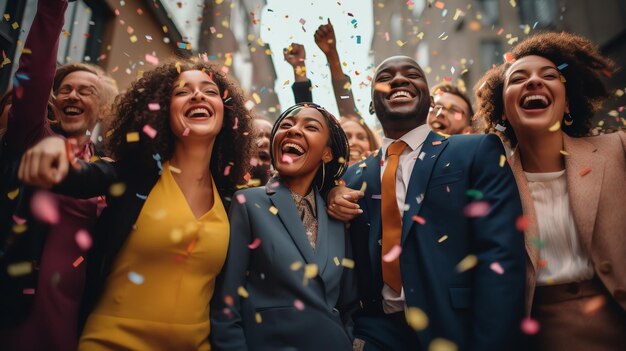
(573, 189)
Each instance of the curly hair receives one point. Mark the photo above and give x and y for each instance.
(338, 142)
(233, 145)
(579, 61)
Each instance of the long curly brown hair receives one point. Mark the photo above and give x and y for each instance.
(578, 60)
(230, 159)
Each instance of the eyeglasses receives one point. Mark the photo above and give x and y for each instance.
(83, 91)
(453, 110)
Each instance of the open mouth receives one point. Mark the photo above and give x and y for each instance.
(198, 112)
(264, 155)
(534, 102)
(291, 151)
(438, 126)
(400, 95)
(72, 111)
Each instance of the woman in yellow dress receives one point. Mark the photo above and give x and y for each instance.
(182, 143)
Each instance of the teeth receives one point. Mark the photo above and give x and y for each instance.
(400, 93)
(292, 145)
(71, 109)
(535, 97)
(199, 111)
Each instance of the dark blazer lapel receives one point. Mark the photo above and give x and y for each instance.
(585, 170)
(420, 176)
(282, 200)
(324, 236)
(371, 176)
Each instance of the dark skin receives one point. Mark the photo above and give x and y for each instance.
(401, 100)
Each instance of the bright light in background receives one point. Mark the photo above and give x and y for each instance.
(281, 26)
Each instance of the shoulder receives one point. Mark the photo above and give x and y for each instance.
(605, 142)
(472, 143)
(257, 192)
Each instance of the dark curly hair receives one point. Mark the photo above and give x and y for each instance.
(337, 141)
(233, 145)
(579, 61)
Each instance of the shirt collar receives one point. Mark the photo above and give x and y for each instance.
(414, 138)
(309, 198)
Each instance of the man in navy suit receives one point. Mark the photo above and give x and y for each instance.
(459, 255)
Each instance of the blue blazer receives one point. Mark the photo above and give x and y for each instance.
(273, 277)
(477, 309)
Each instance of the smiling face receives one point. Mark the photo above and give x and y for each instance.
(534, 96)
(400, 94)
(300, 144)
(450, 114)
(196, 107)
(264, 130)
(357, 140)
(77, 102)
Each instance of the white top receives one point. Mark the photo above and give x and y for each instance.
(414, 139)
(566, 259)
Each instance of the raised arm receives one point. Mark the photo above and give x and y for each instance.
(295, 56)
(326, 41)
(28, 116)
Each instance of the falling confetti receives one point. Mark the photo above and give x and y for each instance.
(149, 131)
(419, 219)
(83, 239)
(241, 291)
(416, 318)
(477, 209)
(117, 189)
(273, 210)
(348, 263)
(585, 171)
(254, 244)
(299, 305)
(555, 127)
(529, 326)
(442, 238)
(13, 194)
(393, 254)
(310, 271)
(135, 278)
(44, 207)
(78, 261)
(440, 344)
(467, 263)
(132, 137)
(19, 269)
(496, 267)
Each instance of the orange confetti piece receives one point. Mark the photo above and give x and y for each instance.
(585, 171)
(13, 194)
(419, 219)
(78, 261)
(438, 142)
(382, 87)
(440, 5)
(521, 223)
(594, 304)
(192, 244)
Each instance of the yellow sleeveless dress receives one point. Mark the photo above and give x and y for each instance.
(157, 295)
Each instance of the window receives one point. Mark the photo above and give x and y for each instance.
(490, 54)
(84, 21)
(538, 13)
(490, 12)
(13, 10)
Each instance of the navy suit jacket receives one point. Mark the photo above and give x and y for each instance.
(273, 275)
(478, 309)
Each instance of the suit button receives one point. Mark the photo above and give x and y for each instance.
(619, 294)
(605, 267)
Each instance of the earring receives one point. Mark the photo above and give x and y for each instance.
(568, 119)
(323, 176)
(372, 111)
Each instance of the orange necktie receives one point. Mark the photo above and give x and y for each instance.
(392, 221)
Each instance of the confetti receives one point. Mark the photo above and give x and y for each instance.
(440, 5)
(149, 131)
(521, 223)
(83, 239)
(295, 266)
(393, 254)
(241, 291)
(143, 197)
(555, 127)
(135, 278)
(254, 244)
(13, 194)
(117, 189)
(154, 106)
(78, 261)
(273, 210)
(594, 304)
(500, 128)
(477, 209)
(416, 318)
(473, 193)
(496, 267)
(132, 137)
(502, 160)
(176, 235)
(467, 263)
(186, 131)
(133, 39)
(19, 269)
(44, 207)
(175, 170)
(152, 59)
(241, 198)
(18, 219)
(529, 326)
(382, 87)
(419, 219)
(257, 318)
(442, 238)
(310, 270)
(28, 291)
(441, 344)
(562, 66)
(336, 261)
(348, 263)
(299, 305)
(585, 171)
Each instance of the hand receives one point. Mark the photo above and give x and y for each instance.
(342, 203)
(45, 164)
(295, 55)
(325, 38)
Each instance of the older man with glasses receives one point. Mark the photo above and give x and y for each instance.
(452, 112)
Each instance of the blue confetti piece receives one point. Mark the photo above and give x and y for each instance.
(143, 197)
(22, 76)
(562, 66)
(135, 278)
(358, 39)
(182, 45)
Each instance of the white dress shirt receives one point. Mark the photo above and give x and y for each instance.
(566, 259)
(392, 302)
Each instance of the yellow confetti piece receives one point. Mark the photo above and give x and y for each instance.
(257, 318)
(117, 189)
(502, 160)
(416, 318)
(341, 160)
(26, 51)
(336, 260)
(132, 137)
(619, 92)
(13, 194)
(15, 25)
(133, 38)
(176, 235)
(164, 29)
(310, 271)
(442, 239)
(467, 263)
(256, 98)
(242, 292)
(563, 80)
(513, 3)
(563, 152)
(441, 344)
(555, 127)
(175, 170)
(295, 266)
(400, 43)
(7, 17)
(273, 210)
(19, 269)
(348, 263)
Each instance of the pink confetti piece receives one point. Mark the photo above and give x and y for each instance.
(287, 159)
(393, 254)
(18, 220)
(78, 261)
(154, 106)
(585, 171)
(241, 198)
(28, 291)
(186, 131)
(152, 59)
(496, 267)
(299, 305)
(83, 239)
(149, 131)
(419, 219)
(529, 326)
(227, 170)
(44, 207)
(477, 209)
(254, 244)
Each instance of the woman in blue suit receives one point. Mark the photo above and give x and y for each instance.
(287, 283)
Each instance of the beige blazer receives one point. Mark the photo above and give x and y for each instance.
(596, 183)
